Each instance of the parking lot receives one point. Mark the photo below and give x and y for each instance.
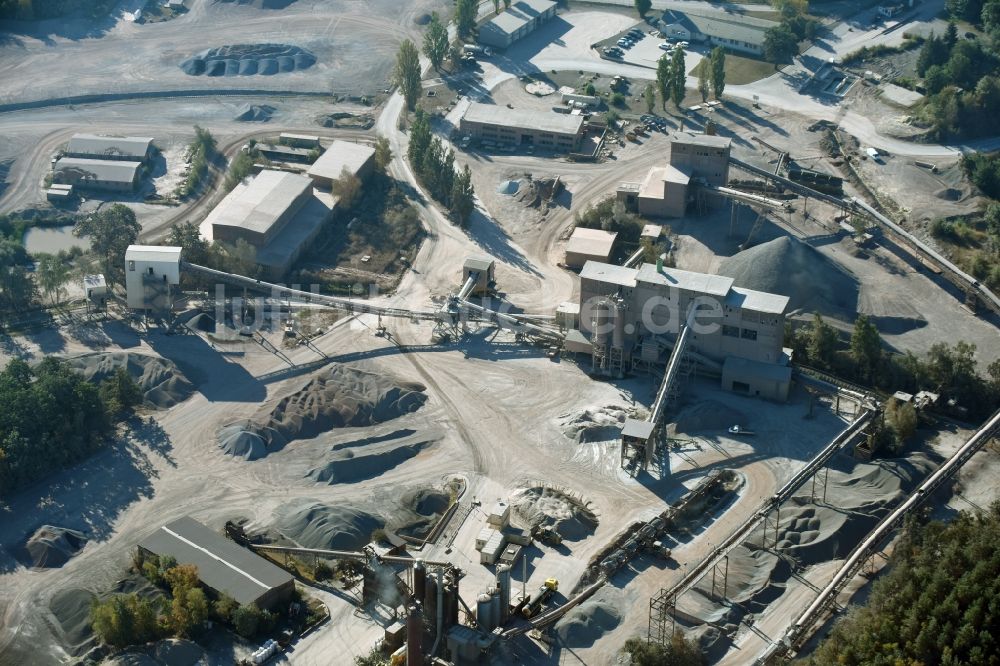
(645, 49)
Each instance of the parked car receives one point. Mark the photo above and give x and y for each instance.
(683, 45)
(667, 46)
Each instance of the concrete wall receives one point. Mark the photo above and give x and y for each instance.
(747, 382)
(673, 203)
(517, 136)
(708, 162)
(146, 289)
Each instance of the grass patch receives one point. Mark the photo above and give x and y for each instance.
(740, 70)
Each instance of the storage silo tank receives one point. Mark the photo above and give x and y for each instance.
(450, 605)
(601, 323)
(618, 336)
(484, 605)
(419, 580)
(414, 635)
(430, 595)
(495, 605)
(503, 582)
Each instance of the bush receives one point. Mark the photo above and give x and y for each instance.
(618, 100)
(589, 89)
(322, 572)
(247, 620)
(124, 620)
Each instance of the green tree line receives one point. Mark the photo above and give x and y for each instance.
(938, 604)
(434, 165)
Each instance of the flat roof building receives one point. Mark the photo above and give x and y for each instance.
(106, 175)
(738, 33)
(277, 212)
(704, 156)
(357, 158)
(151, 273)
(546, 130)
(120, 148)
(510, 25)
(223, 566)
(589, 245)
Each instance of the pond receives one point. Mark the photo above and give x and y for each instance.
(52, 239)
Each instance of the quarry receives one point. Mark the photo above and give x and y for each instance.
(591, 412)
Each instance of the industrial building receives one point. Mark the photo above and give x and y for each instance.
(497, 125)
(738, 33)
(589, 245)
(116, 148)
(632, 315)
(484, 269)
(665, 192)
(105, 175)
(223, 566)
(358, 159)
(510, 25)
(152, 274)
(277, 212)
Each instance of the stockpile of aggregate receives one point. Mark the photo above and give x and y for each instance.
(550, 507)
(314, 524)
(51, 547)
(162, 383)
(248, 60)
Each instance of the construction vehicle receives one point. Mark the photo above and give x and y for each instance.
(630, 136)
(740, 430)
(546, 534)
(657, 548)
(545, 592)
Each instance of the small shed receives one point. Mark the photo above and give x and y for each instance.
(485, 269)
(499, 516)
(96, 289)
(589, 245)
(568, 315)
(652, 232)
(485, 535)
(492, 549)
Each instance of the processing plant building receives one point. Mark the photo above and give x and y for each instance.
(105, 175)
(741, 335)
(223, 566)
(510, 25)
(493, 124)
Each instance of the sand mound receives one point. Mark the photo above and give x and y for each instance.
(589, 621)
(248, 60)
(336, 397)
(708, 415)
(52, 547)
(508, 187)
(347, 467)
(71, 609)
(790, 267)
(162, 383)
(594, 424)
(550, 507)
(312, 524)
(255, 113)
(178, 652)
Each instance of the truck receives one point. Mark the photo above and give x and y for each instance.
(546, 534)
(545, 592)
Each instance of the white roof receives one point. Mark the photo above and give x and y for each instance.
(595, 270)
(702, 283)
(652, 187)
(541, 121)
(258, 205)
(486, 534)
(758, 301)
(652, 231)
(692, 139)
(519, 14)
(107, 171)
(93, 281)
(120, 146)
(495, 543)
(339, 156)
(152, 253)
(591, 242)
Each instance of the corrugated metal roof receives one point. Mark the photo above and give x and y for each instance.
(478, 263)
(758, 301)
(107, 171)
(119, 146)
(152, 253)
(222, 565)
(601, 272)
(257, 205)
(702, 283)
(591, 242)
(339, 156)
(541, 121)
(636, 428)
(740, 28)
(518, 15)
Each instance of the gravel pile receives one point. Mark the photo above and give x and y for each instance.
(791, 268)
(71, 609)
(706, 416)
(584, 625)
(248, 60)
(347, 467)
(162, 383)
(51, 547)
(594, 424)
(550, 507)
(313, 524)
(255, 113)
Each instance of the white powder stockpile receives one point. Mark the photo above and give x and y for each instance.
(162, 383)
(313, 524)
(594, 424)
(791, 268)
(52, 546)
(550, 507)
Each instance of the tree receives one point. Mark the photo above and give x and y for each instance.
(119, 392)
(186, 235)
(373, 658)
(643, 7)
(649, 95)
(679, 652)
(246, 620)
(902, 418)
(436, 41)
(717, 60)
(822, 341)
(420, 139)
(663, 79)
(52, 273)
(951, 35)
(933, 52)
(111, 231)
(866, 346)
(780, 44)
(188, 611)
(124, 620)
(224, 607)
(703, 86)
(463, 196)
(407, 73)
(496, 6)
(17, 290)
(678, 76)
(465, 16)
(383, 154)
(347, 188)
